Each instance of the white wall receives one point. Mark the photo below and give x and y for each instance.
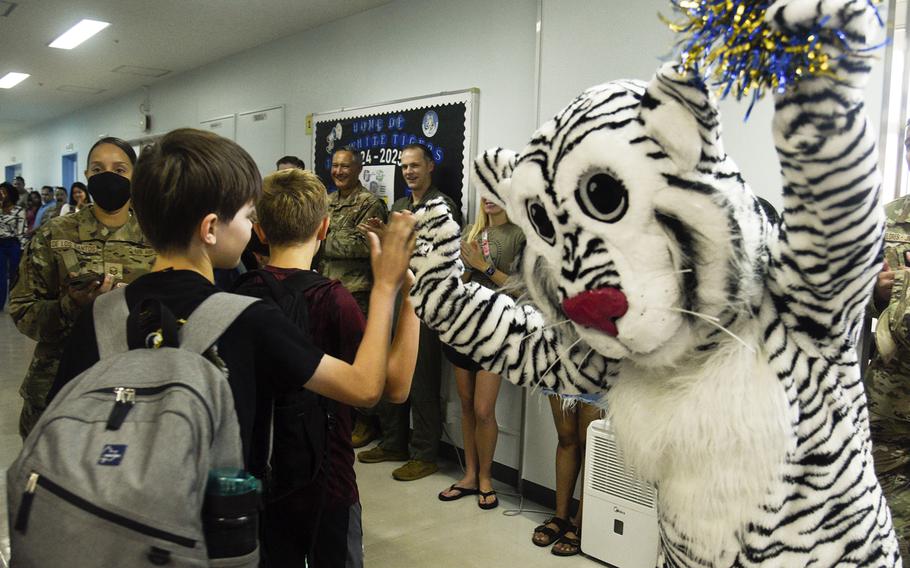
(417, 47)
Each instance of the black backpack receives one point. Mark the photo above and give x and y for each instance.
(301, 421)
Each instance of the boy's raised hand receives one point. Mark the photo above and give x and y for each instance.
(390, 256)
(372, 225)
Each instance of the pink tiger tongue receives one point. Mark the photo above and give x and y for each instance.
(597, 309)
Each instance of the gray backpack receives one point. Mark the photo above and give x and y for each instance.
(115, 471)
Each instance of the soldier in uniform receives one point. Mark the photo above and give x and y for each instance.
(888, 376)
(345, 252)
(70, 261)
(421, 452)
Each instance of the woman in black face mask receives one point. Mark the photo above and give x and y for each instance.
(70, 261)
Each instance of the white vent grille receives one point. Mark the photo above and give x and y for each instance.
(611, 476)
(140, 71)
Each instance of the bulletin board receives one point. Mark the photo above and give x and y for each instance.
(446, 123)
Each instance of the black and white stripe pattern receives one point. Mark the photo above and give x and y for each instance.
(12, 224)
(794, 294)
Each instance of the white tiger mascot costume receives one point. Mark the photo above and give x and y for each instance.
(725, 345)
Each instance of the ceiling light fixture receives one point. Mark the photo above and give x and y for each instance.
(10, 80)
(80, 90)
(78, 34)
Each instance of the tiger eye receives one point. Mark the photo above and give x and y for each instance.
(541, 222)
(603, 197)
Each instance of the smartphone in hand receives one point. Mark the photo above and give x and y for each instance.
(83, 281)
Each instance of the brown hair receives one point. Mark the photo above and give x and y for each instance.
(185, 176)
(292, 206)
(427, 155)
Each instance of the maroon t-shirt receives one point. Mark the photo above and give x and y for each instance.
(336, 327)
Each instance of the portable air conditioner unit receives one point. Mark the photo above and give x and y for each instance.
(619, 525)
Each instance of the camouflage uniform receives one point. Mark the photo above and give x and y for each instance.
(407, 203)
(888, 378)
(39, 304)
(346, 251)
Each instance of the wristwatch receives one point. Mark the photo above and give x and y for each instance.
(490, 271)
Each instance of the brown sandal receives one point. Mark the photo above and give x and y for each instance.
(552, 535)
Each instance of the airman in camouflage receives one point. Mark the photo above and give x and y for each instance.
(42, 304)
(346, 251)
(422, 449)
(888, 377)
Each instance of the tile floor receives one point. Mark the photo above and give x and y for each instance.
(405, 525)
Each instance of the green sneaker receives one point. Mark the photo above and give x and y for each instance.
(415, 469)
(364, 432)
(377, 454)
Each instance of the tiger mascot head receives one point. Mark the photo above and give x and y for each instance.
(640, 229)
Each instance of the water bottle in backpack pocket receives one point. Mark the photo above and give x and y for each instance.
(230, 515)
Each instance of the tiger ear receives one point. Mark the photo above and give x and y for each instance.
(681, 114)
(492, 174)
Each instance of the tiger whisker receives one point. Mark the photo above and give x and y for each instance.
(713, 321)
(697, 314)
(508, 286)
(559, 357)
(585, 358)
(546, 327)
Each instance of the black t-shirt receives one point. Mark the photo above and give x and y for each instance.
(264, 352)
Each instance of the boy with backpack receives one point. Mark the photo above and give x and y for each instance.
(318, 523)
(193, 194)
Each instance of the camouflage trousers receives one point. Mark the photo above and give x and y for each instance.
(363, 301)
(28, 418)
(891, 452)
(897, 491)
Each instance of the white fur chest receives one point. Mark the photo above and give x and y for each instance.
(712, 435)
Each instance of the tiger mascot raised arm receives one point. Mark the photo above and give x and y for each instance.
(725, 345)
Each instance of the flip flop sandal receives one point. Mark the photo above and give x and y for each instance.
(489, 504)
(552, 535)
(462, 491)
(573, 542)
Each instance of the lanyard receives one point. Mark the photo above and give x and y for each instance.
(485, 247)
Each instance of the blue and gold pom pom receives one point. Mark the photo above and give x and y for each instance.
(742, 54)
